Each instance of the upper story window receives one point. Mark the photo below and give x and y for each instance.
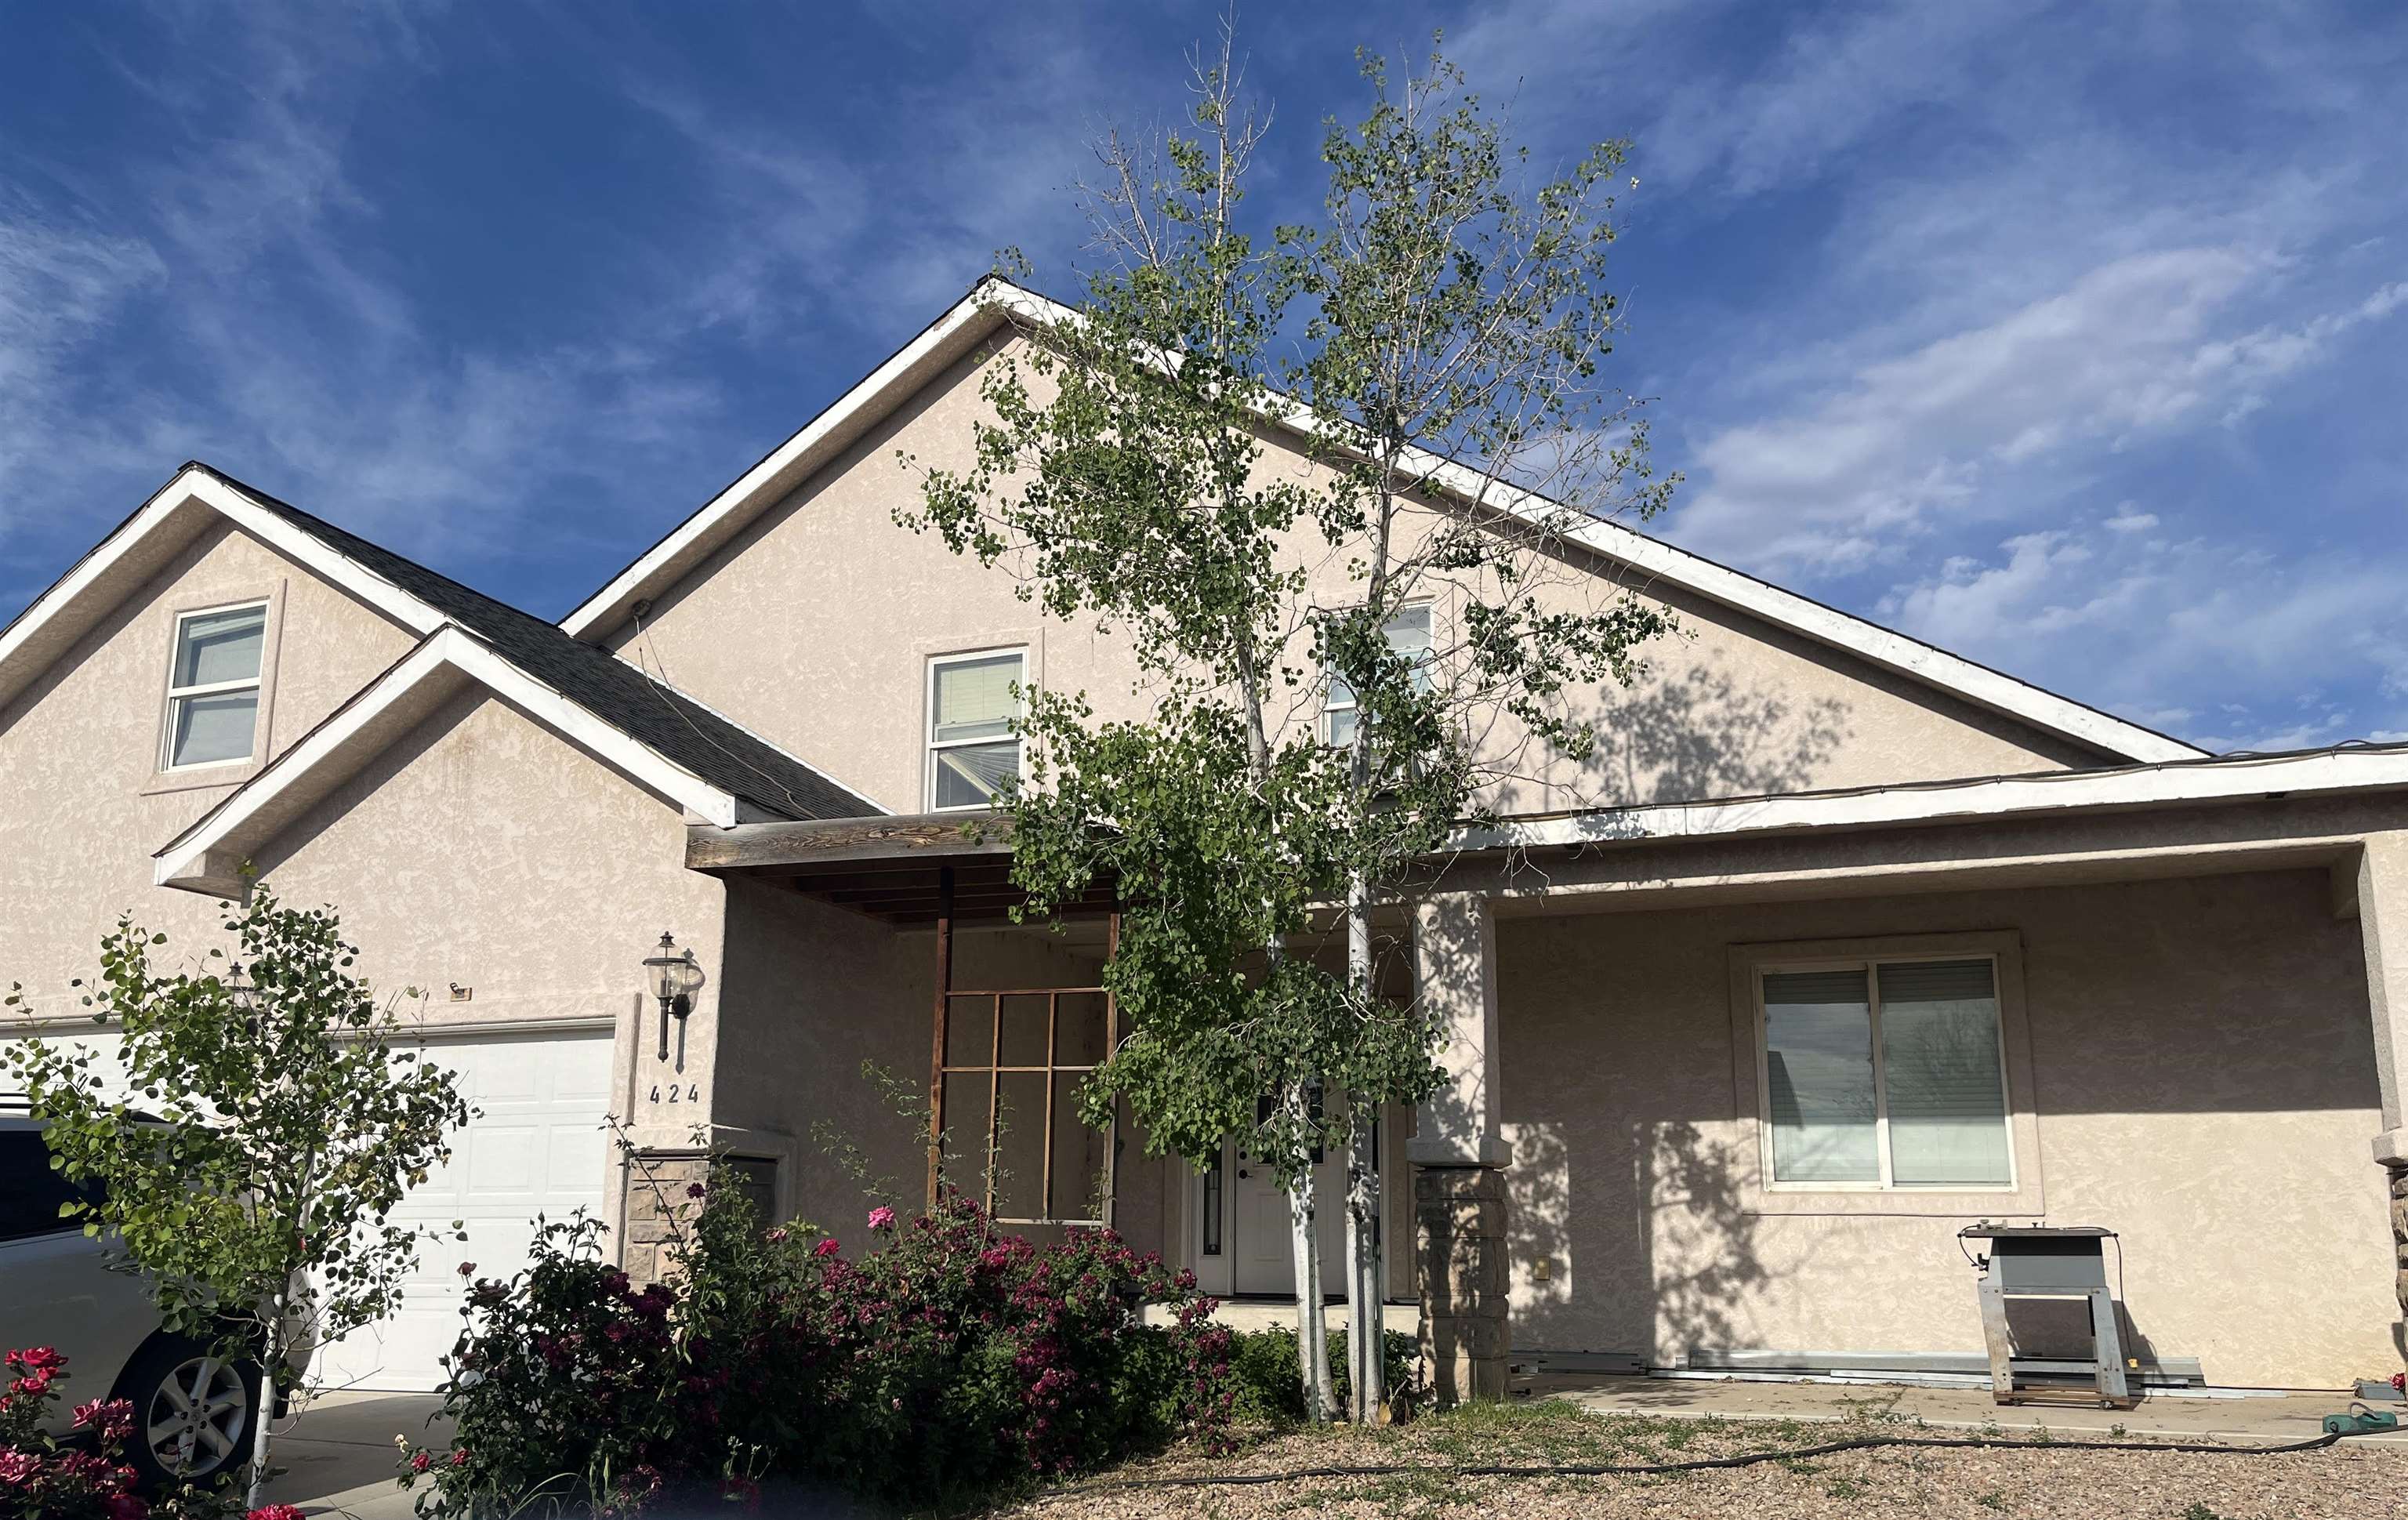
(972, 700)
(1885, 1074)
(1409, 635)
(213, 685)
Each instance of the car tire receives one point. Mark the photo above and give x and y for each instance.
(194, 1411)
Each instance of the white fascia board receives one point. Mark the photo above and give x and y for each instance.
(132, 545)
(188, 861)
(968, 319)
(2208, 781)
(306, 548)
(1802, 615)
(993, 299)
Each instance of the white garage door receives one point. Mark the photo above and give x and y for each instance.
(537, 1147)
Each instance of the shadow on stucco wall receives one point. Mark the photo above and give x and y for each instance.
(1648, 1249)
(1700, 733)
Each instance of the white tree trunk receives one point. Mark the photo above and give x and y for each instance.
(1365, 1324)
(1312, 1318)
(265, 1415)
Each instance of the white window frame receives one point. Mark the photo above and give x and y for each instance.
(1886, 1182)
(255, 682)
(1751, 1095)
(931, 746)
(1330, 706)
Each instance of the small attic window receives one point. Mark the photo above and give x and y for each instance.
(213, 686)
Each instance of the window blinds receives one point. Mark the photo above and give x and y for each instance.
(1819, 1064)
(1933, 1107)
(1942, 1077)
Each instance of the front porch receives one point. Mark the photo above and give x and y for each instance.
(2189, 1038)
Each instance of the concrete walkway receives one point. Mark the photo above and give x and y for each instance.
(340, 1457)
(2257, 1419)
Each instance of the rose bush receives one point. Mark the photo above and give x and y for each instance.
(947, 1361)
(43, 1477)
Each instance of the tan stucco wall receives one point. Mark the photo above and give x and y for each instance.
(811, 993)
(81, 806)
(2204, 1083)
(484, 850)
(814, 626)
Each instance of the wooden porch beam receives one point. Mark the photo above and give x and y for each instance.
(924, 836)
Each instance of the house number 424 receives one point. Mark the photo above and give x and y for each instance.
(674, 1093)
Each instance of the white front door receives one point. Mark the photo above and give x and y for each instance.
(1262, 1251)
(535, 1147)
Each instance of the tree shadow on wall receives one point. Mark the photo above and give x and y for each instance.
(1703, 736)
(1700, 735)
(1649, 1253)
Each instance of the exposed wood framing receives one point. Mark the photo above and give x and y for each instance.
(937, 1047)
(924, 835)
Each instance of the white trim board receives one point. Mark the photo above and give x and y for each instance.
(143, 545)
(938, 344)
(2318, 772)
(207, 856)
(992, 302)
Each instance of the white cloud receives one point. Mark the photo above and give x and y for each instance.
(2128, 519)
(60, 286)
(296, 359)
(2136, 347)
(886, 230)
(2168, 630)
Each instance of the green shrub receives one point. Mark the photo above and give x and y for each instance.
(1262, 1364)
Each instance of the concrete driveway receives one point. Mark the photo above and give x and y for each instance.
(338, 1454)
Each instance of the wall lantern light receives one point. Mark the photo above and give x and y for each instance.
(674, 979)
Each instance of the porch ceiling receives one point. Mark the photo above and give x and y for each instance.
(892, 868)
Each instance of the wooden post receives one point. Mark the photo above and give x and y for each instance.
(1053, 1053)
(1112, 1044)
(937, 1047)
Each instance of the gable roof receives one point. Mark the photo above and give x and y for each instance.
(623, 694)
(674, 730)
(994, 302)
(207, 856)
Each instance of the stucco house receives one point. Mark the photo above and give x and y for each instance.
(1842, 943)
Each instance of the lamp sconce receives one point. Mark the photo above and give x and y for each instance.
(675, 978)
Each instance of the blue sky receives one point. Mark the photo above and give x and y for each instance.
(2068, 337)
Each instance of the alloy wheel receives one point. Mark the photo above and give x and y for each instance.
(197, 1417)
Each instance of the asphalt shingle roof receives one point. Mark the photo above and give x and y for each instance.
(647, 710)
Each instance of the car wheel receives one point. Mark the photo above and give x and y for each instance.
(193, 1411)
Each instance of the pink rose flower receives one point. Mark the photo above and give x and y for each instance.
(882, 1217)
(125, 1507)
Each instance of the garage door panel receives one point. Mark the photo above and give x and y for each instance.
(535, 1147)
(577, 1155)
(502, 1163)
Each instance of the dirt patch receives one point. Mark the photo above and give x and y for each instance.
(2043, 1476)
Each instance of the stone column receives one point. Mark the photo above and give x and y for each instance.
(1460, 1250)
(661, 1206)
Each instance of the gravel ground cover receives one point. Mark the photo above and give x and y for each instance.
(2043, 1476)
